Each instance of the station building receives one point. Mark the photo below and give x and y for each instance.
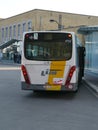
(91, 43)
(12, 28)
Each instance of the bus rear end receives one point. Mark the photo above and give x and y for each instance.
(48, 62)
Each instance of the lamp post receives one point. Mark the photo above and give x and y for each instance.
(59, 25)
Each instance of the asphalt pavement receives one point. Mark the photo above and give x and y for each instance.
(26, 110)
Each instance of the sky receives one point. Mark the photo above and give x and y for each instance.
(9, 8)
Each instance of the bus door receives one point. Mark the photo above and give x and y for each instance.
(81, 51)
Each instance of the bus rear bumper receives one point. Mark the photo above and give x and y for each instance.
(41, 87)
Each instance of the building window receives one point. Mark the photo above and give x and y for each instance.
(10, 32)
(24, 27)
(6, 34)
(14, 31)
(2, 34)
(30, 26)
(19, 31)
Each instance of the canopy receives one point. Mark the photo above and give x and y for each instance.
(87, 29)
(2, 46)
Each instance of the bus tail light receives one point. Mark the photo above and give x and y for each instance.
(71, 71)
(25, 74)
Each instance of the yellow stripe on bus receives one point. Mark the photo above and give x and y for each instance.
(56, 73)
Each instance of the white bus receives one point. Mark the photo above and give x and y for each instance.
(51, 61)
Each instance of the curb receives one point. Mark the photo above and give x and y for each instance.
(92, 86)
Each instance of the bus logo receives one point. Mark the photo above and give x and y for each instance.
(48, 72)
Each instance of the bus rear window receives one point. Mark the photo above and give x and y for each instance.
(48, 46)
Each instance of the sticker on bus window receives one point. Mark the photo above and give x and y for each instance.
(35, 36)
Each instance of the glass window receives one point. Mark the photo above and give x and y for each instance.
(14, 31)
(10, 32)
(6, 34)
(24, 27)
(48, 46)
(2, 34)
(19, 29)
(29, 26)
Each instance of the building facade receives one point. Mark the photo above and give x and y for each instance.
(12, 28)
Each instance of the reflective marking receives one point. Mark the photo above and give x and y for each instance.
(9, 68)
(56, 65)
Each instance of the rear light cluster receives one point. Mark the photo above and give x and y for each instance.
(25, 74)
(72, 69)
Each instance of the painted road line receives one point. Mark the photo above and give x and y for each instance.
(9, 68)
